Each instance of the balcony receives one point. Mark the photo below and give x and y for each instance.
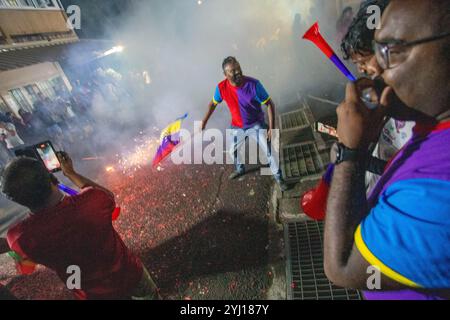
(25, 23)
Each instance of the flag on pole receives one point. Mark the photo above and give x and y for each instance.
(170, 138)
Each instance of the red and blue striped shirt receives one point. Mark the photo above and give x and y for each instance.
(244, 101)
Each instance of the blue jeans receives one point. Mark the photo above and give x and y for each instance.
(259, 134)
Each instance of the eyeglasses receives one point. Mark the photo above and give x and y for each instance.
(391, 54)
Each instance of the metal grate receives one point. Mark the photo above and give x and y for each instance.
(305, 271)
(295, 120)
(301, 161)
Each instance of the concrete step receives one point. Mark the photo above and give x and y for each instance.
(289, 210)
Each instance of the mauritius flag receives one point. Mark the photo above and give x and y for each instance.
(170, 138)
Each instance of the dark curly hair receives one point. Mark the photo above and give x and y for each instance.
(27, 182)
(228, 60)
(359, 37)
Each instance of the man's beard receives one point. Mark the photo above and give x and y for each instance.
(237, 78)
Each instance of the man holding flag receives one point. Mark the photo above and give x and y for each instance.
(245, 97)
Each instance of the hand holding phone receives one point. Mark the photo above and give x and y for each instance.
(66, 163)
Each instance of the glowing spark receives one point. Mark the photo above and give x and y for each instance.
(91, 158)
(116, 49)
(109, 169)
(147, 78)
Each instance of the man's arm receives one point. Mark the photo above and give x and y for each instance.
(271, 111)
(211, 108)
(4, 247)
(77, 179)
(347, 203)
(346, 208)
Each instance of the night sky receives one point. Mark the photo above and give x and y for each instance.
(99, 16)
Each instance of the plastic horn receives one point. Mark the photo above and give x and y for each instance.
(67, 190)
(313, 34)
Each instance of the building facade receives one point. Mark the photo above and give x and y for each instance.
(27, 29)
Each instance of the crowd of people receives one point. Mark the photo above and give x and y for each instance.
(62, 120)
(396, 222)
(66, 118)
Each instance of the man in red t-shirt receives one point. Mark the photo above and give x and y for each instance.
(76, 232)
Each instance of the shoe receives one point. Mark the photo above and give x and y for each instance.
(235, 175)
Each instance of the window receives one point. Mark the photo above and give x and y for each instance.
(46, 89)
(13, 3)
(3, 107)
(20, 99)
(48, 3)
(13, 106)
(28, 4)
(33, 92)
(59, 86)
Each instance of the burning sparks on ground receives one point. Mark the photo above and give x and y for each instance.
(142, 154)
(182, 234)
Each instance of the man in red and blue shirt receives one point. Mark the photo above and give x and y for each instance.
(245, 97)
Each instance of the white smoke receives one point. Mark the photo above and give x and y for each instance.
(175, 49)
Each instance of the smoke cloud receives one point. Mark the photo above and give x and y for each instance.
(174, 50)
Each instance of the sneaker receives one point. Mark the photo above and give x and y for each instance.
(235, 175)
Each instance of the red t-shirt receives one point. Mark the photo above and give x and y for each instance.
(79, 231)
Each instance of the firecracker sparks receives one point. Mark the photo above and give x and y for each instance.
(140, 156)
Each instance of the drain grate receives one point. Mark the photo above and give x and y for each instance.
(296, 120)
(301, 161)
(305, 272)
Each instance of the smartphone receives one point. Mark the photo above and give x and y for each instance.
(323, 128)
(47, 155)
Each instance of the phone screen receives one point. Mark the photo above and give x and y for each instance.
(326, 129)
(48, 156)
